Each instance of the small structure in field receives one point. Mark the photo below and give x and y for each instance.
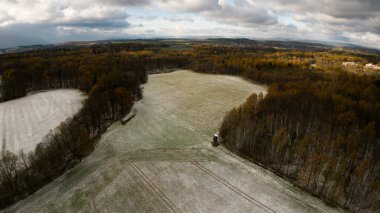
(215, 140)
(129, 117)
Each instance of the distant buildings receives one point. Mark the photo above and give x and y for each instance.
(372, 66)
(348, 64)
(360, 68)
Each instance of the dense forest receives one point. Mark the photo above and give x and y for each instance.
(317, 126)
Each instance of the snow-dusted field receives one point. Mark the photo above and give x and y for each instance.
(25, 121)
(162, 160)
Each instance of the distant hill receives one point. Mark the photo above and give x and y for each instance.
(241, 42)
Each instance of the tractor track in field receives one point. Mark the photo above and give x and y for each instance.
(150, 183)
(155, 188)
(181, 152)
(228, 185)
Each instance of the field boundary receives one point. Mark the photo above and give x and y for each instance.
(249, 163)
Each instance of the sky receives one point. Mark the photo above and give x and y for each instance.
(27, 22)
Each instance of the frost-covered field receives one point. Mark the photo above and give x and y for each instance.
(162, 160)
(25, 121)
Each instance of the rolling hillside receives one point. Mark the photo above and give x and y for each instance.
(162, 160)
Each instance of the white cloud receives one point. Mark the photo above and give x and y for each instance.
(367, 39)
(59, 12)
(93, 17)
(356, 21)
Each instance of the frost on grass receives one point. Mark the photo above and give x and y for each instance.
(25, 121)
(162, 159)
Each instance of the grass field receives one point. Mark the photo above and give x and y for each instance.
(25, 121)
(162, 160)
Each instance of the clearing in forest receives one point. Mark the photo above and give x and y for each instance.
(162, 159)
(25, 121)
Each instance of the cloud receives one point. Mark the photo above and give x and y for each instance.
(244, 14)
(93, 17)
(27, 34)
(4, 17)
(355, 21)
(63, 12)
(124, 2)
(99, 24)
(353, 15)
(179, 19)
(149, 18)
(237, 13)
(366, 39)
(194, 6)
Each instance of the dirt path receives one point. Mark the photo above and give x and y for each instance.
(162, 160)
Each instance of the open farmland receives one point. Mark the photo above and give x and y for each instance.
(25, 121)
(162, 160)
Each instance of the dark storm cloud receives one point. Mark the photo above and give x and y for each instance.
(99, 24)
(243, 14)
(24, 34)
(27, 34)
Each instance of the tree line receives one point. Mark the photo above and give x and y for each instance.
(316, 126)
(111, 81)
